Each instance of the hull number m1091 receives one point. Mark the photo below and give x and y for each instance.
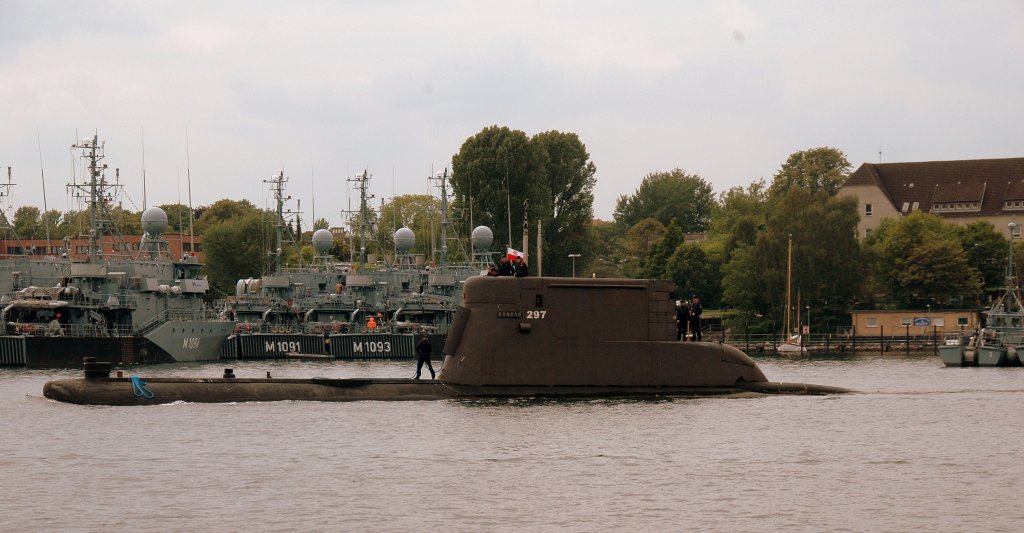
(283, 346)
(371, 347)
(190, 343)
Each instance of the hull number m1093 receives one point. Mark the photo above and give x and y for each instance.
(190, 343)
(371, 347)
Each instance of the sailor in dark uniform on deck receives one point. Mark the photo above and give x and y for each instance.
(423, 349)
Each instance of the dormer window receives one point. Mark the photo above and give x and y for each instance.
(906, 207)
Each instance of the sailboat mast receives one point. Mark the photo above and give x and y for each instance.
(789, 281)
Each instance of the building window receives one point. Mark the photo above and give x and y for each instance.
(906, 207)
(917, 205)
(870, 322)
(1015, 231)
(961, 321)
(867, 210)
(867, 232)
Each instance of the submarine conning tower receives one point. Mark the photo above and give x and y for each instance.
(581, 332)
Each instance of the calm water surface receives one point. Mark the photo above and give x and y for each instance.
(920, 448)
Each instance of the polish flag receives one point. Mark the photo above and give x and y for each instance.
(512, 254)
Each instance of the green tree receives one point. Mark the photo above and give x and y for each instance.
(321, 223)
(177, 218)
(567, 196)
(986, 251)
(219, 211)
(510, 183)
(920, 258)
(826, 270)
(738, 215)
(419, 212)
(696, 271)
(26, 222)
(126, 221)
(817, 169)
(638, 243)
(495, 172)
(609, 251)
(655, 264)
(667, 195)
(236, 248)
(53, 220)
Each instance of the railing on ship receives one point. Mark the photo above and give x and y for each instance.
(169, 315)
(843, 340)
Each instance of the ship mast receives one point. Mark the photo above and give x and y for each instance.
(277, 186)
(442, 178)
(97, 193)
(363, 221)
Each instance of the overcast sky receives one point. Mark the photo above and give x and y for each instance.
(323, 89)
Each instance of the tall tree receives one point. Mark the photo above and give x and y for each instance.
(667, 195)
(511, 183)
(826, 270)
(567, 210)
(494, 173)
(817, 169)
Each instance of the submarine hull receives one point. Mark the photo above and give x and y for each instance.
(122, 392)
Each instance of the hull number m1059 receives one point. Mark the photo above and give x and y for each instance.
(190, 343)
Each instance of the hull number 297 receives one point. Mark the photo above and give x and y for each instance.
(536, 314)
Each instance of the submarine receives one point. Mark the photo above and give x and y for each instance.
(511, 337)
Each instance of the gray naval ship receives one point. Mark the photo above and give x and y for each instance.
(128, 310)
(368, 309)
(512, 337)
(290, 310)
(1001, 340)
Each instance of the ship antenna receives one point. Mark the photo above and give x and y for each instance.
(508, 204)
(42, 176)
(143, 132)
(191, 214)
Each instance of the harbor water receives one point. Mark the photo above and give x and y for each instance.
(920, 447)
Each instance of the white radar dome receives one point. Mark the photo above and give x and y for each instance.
(482, 238)
(405, 239)
(154, 221)
(322, 241)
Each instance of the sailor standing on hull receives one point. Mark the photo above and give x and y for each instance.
(682, 319)
(695, 310)
(423, 349)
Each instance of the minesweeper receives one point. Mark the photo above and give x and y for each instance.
(512, 337)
